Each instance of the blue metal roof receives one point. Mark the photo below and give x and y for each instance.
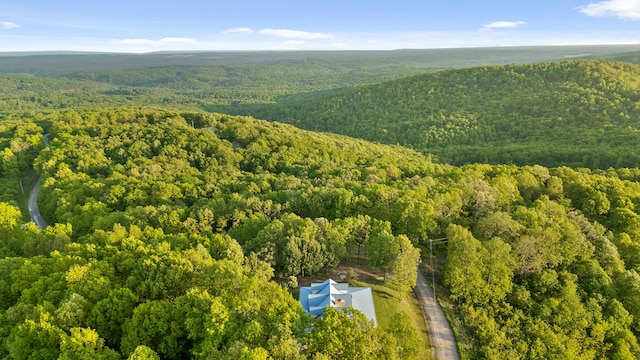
(318, 296)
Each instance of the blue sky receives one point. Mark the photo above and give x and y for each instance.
(144, 26)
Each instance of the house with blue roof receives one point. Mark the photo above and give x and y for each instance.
(318, 296)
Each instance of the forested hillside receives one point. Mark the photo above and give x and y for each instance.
(170, 225)
(200, 80)
(632, 57)
(572, 113)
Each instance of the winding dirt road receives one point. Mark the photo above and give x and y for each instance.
(440, 333)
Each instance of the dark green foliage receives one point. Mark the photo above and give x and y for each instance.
(573, 113)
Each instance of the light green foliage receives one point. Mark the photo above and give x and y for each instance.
(13, 237)
(89, 281)
(414, 216)
(340, 337)
(72, 313)
(10, 217)
(498, 224)
(53, 238)
(20, 142)
(408, 344)
(498, 267)
(160, 275)
(384, 249)
(205, 318)
(241, 351)
(143, 352)
(624, 343)
(404, 267)
(477, 273)
(85, 344)
(299, 245)
(34, 340)
(628, 290)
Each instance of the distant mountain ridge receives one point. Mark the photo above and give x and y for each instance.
(56, 63)
(574, 113)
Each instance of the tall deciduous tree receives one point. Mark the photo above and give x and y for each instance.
(340, 336)
(85, 344)
(384, 249)
(110, 314)
(408, 343)
(143, 352)
(463, 269)
(405, 267)
(158, 325)
(35, 340)
(477, 273)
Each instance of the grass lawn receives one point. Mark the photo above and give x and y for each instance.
(387, 304)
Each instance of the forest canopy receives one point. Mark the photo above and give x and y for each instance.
(183, 214)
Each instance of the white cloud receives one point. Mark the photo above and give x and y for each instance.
(623, 9)
(8, 25)
(163, 41)
(239, 30)
(13, 41)
(503, 24)
(174, 40)
(295, 42)
(135, 42)
(294, 34)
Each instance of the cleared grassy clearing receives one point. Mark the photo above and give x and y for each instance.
(385, 299)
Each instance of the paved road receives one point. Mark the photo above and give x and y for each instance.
(440, 333)
(34, 210)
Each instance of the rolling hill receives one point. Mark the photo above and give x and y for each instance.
(581, 113)
(64, 63)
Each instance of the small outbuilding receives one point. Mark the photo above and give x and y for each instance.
(318, 296)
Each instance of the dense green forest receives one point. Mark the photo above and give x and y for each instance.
(169, 227)
(180, 233)
(573, 113)
(167, 221)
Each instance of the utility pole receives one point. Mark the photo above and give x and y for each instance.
(433, 276)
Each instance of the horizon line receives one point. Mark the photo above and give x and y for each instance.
(89, 52)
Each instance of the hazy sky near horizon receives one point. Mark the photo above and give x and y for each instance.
(145, 26)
